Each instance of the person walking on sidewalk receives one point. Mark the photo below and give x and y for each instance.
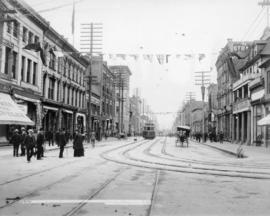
(78, 144)
(62, 142)
(16, 140)
(23, 136)
(30, 143)
(40, 142)
(93, 138)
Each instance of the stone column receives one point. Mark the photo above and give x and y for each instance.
(237, 127)
(233, 128)
(248, 127)
(243, 127)
(55, 90)
(46, 86)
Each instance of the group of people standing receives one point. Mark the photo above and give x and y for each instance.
(34, 143)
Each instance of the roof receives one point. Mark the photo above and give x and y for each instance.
(266, 49)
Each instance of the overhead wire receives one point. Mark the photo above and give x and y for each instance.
(252, 24)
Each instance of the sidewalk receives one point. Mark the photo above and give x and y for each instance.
(254, 152)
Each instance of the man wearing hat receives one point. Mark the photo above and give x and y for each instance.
(23, 135)
(15, 140)
(40, 142)
(30, 142)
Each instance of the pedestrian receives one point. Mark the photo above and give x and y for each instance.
(78, 144)
(93, 138)
(15, 140)
(40, 143)
(30, 143)
(57, 137)
(50, 137)
(62, 142)
(221, 136)
(23, 135)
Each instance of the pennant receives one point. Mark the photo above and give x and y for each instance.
(135, 56)
(167, 58)
(160, 59)
(201, 56)
(56, 53)
(33, 47)
(122, 56)
(178, 56)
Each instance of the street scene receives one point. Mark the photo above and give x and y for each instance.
(146, 107)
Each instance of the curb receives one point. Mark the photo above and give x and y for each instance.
(223, 150)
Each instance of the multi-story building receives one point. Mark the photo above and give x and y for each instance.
(212, 107)
(20, 69)
(135, 115)
(228, 72)
(108, 101)
(63, 86)
(49, 89)
(122, 75)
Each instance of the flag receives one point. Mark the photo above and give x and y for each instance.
(56, 53)
(73, 19)
(122, 56)
(178, 56)
(33, 47)
(135, 56)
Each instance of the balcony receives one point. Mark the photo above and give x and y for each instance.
(244, 79)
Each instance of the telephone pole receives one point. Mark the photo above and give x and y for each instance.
(91, 42)
(202, 78)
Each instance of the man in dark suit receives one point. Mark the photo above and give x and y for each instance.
(62, 142)
(40, 142)
(30, 143)
(16, 140)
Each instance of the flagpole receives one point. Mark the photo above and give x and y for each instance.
(73, 22)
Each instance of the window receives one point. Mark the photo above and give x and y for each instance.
(52, 61)
(36, 39)
(268, 82)
(58, 91)
(16, 28)
(24, 36)
(8, 52)
(9, 25)
(51, 88)
(14, 62)
(30, 37)
(68, 95)
(64, 93)
(29, 62)
(34, 73)
(22, 68)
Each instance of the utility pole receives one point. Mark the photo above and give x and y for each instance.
(90, 34)
(202, 78)
(189, 97)
(266, 3)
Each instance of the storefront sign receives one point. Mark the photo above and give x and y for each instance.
(241, 106)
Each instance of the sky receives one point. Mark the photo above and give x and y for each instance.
(161, 27)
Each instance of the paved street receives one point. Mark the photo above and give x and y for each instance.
(127, 177)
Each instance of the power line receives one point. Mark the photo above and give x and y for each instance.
(250, 27)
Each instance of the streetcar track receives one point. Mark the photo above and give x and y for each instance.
(44, 171)
(61, 180)
(154, 193)
(78, 207)
(166, 167)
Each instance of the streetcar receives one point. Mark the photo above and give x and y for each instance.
(149, 131)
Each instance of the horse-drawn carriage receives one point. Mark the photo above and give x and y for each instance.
(182, 135)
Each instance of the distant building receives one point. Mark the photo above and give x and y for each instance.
(122, 76)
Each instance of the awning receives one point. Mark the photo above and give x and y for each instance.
(10, 113)
(50, 108)
(264, 121)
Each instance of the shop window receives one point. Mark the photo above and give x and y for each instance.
(36, 39)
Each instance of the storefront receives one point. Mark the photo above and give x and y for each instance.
(50, 118)
(67, 120)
